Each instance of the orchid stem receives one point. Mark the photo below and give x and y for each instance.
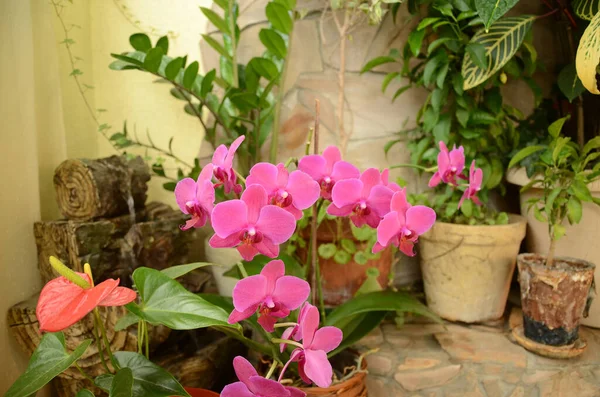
(242, 269)
(287, 342)
(105, 339)
(413, 166)
(283, 325)
(308, 141)
(271, 370)
(290, 161)
(240, 176)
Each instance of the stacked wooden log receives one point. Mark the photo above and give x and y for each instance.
(109, 226)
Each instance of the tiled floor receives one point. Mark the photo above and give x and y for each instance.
(452, 360)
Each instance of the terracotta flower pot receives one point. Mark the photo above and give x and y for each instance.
(340, 282)
(580, 240)
(467, 270)
(553, 298)
(356, 386)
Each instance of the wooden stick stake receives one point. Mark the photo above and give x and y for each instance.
(313, 223)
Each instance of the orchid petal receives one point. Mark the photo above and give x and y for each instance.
(295, 392)
(370, 178)
(237, 316)
(267, 322)
(304, 190)
(255, 198)
(244, 370)
(406, 246)
(291, 291)
(249, 291)
(327, 339)
(380, 200)
(344, 170)
(388, 228)
(318, 368)
(185, 191)
(273, 271)
(282, 175)
(264, 174)
(314, 165)
(435, 179)
(237, 389)
(346, 192)
(248, 251)
(267, 248)
(228, 161)
(332, 155)
(276, 224)
(268, 388)
(420, 219)
(443, 159)
(457, 159)
(399, 203)
(229, 217)
(227, 242)
(309, 325)
(344, 211)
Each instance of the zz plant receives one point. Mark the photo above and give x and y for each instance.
(562, 170)
(242, 99)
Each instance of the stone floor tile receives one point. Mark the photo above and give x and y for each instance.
(418, 380)
(418, 363)
(380, 363)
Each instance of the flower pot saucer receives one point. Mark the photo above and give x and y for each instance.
(567, 351)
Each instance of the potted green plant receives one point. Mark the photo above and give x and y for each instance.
(555, 290)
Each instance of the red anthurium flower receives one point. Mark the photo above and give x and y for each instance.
(450, 165)
(365, 200)
(313, 365)
(293, 191)
(403, 225)
(223, 166)
(327, 169)
(475, 180)
(62, 303)
(271, 292)
(253, 385)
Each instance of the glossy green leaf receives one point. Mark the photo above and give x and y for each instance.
(559, 231)
(491, 10)
(377, 302)
(359, 326)
(273, 42)
(84, 393)
(253, 267)
(569, 83)
(586, 9)
(153, 59)
(441, 131)
(126, 321)
(49, 360)
(207, 83)
(165, 301)
(173, 68)
(190, 74)
(149, 380)
(549, 203)
(581, 191)
(501, 42)
(400, 91)
(574, 210)
(217, 47)
(555, 128)
(264, 67)
(163, 43)
(388, 79)
(327, 251)
(478, 54)
(122, 385)
(462, 116)
(140, 42)
(537, 213)
(373, 63)
(523, 153)
(181, 270)
(496, 173)
(216, 20)
(415, 40)
(279, 17)
(467, 208)
(426, 22)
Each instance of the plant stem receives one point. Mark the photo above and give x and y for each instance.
(313, 221)
(239, 336)
(343, 32)
(104, 337)
(410, 166)
(99, 344)
(232, 32)
(551, 250)
(140, 337)
(283, 325)
(287, 342)
(271, 370)
(147, 340)
(307, 147)
(242, 269)
(85, 375)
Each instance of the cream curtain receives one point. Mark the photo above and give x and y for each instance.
(45, 120)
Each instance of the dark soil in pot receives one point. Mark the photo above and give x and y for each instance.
(554, 298)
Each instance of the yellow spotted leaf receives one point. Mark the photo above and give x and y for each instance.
(588, 56)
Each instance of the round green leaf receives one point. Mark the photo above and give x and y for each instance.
(140, 42)
(348, 245)
(327, 251)
(342, 257)
(361, 258)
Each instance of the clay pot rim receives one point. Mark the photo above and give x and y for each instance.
(514, 221)
(535, 261)
(518, 176)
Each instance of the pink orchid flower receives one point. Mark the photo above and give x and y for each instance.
(475, 180)
(271, 292)
(313, 365)
(223, 166)
(196, 198)
(385, 177)
(450, 165)
(403, 225)
(293, 191)
(251, 225)
(253, 385)
(295, 332)
(328, 169)
(365, 200)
